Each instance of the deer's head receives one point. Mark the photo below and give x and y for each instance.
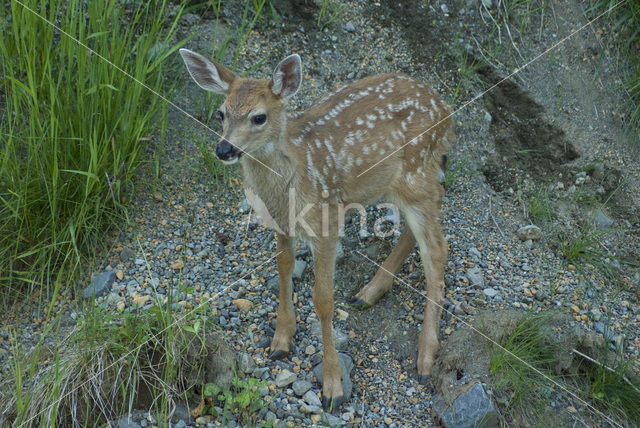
(253, 111)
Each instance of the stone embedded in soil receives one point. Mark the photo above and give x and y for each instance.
(246, 363)
(312, 399)
(300, 387)
(474, 275)
(243, 304)
(602, 220)
(285, 378)
(100, 285)
(298, 268)
(139, 299)
(470, 409)
(490, 292)
(126, 254)
(529, 232)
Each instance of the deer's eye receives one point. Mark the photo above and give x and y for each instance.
(220, 115)
(259, 119)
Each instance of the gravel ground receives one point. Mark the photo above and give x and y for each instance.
(187, 229)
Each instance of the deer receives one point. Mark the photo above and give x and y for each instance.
(383, 137)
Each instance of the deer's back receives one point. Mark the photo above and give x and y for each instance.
(390, 118)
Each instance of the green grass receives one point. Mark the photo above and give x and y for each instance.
(625, 24)
(73, 128)
(583, 249)
(110, 365)
(528, 341)
(468, 67)
(539, 205)
(611, 389)
(454, 172)
(329, 13)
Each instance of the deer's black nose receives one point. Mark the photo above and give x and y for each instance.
(226, 151)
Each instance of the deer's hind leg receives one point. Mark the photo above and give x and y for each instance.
(433, 252)
(285, 320)
(383, 280)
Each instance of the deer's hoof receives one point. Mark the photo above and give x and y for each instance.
(359, 303)
(278, 354)
(332, 404)
(423, 379)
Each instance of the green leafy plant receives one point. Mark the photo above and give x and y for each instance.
(243, 399)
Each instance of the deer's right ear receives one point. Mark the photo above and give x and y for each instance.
(287, 77)
(207, 74)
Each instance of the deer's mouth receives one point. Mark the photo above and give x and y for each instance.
(227, 152)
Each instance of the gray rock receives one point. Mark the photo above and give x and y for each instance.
(179, 424)
(347, 365)
(471, 409)
(285, 378)
(490, 292)
(350, 27)
(312, 399)
(602, 221)
(474, 253)
(100, 285)
(273, 283)
(339, 251)
(244, 206)
(444, 8)
(181, 413)
(474, 275)
(530, 231)
(246, 363)
(308, 408)
(127, 422)
(126, 254)
(330, 420)
(300, 387)
(298, 268)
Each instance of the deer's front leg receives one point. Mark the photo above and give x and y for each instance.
(324, 258)
(285, 321)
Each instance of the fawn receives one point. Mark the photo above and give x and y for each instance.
(380, 138)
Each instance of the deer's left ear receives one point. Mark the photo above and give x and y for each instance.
(287, 77)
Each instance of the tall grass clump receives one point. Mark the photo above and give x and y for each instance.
(72, 126)
(625, 19)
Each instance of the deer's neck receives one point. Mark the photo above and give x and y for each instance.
(270, 174)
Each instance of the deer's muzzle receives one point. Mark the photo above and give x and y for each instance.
(227, 152)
